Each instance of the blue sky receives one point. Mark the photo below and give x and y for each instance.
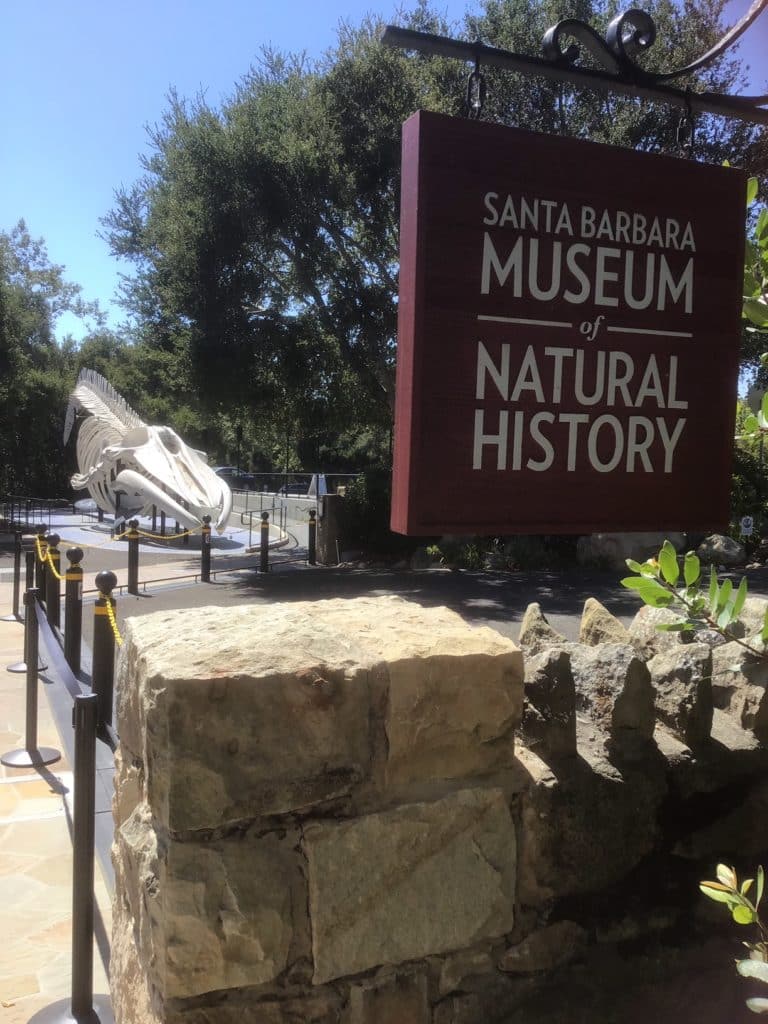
(79, 83)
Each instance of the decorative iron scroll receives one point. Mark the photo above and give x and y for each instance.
(628, 35)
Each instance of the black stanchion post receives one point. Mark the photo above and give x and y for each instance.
(264, 565)
(312, 538)
(40, 563)
(205, 551)
(133, 556)
(73, 609)
(53, 581)
(31, 756)
(154, 519)
(30, 554)
(83, 832)
(14, 616)
(162, 523)
(82, 1007)
(103, 661)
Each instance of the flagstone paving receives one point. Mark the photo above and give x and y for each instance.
(35, 855)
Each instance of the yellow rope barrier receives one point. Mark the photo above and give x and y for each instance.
(171, 536)
(112, 620)
(39, 547)
(52, 567)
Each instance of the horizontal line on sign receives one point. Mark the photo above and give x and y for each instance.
(517, 320)
(643, 330)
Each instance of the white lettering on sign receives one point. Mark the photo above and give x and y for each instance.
(643, 442)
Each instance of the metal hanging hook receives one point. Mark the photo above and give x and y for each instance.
(686, 129)
(475, 92)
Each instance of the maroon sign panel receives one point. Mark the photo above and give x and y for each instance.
(568, 334)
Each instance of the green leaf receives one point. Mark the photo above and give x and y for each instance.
(691, 568)
(750, 425)
(670, 570)
(758, 1004)
(649, 590)
(644, 568)
(764, 630)
(756, 311)
(753, 969)
(725, 593)
(752, 187)
(714, 590)
(674, 627)
(746, 885)
(761, 228)
(741, 597)
(743, 915)
(760, 884)
(718, 893)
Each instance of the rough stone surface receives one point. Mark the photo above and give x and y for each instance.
(740, 685)
(212, 915)
(613, 688)
(401, 998)
(549, 724)
(682, 679)
(647, 639)
(316, 1008)
(545, 949)
(613, 549)
(721, 550)
(408, 883)
(456, 969)
(536, 634)
(738, 833)
(752, 615)
(259, 710)
(584, 829)
(598, 626)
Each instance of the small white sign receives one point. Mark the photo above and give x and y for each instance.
(747, 526)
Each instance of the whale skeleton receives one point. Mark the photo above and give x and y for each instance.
(128, 467)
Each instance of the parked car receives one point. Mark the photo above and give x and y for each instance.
(237, 479)
(297, 487)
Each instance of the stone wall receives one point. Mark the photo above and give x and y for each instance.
(345, 812)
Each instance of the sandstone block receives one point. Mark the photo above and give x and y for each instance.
(536, 634)
(613, 688)
(213, 915)
(545, 949)
(408, 883)
(682, 679)
(598, 626)
(259, 710)
(550, 691)
(401, 998)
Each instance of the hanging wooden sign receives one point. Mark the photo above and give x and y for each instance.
(568, 335)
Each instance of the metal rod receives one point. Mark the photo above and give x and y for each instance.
(312, 538)
(73, 609)
(52, 582)
(205, 551)
(133, 556)
(103, 659)
(264, 563)
(83, 840)
(742, 107)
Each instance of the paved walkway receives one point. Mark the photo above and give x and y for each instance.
(36, 855)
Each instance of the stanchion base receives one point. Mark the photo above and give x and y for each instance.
(11, 618)
(21, 667)
(61, 1013)
(35, 758)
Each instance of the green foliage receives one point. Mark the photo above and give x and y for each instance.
(264, 234)
(366, 515)
(701, 604)
(744, 911)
